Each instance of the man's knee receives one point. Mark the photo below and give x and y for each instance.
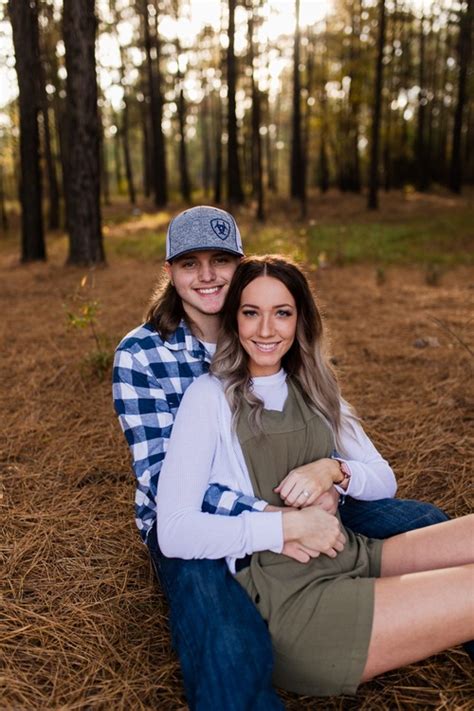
(388, 517)
(430, 514)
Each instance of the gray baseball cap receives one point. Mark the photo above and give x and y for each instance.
(201, 228)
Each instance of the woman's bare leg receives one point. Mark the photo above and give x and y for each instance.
(443, 545)
(419, 614)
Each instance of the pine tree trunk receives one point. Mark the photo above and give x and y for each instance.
(53, 189)
(45, 72)
(323, 163)
(354, 182)
(297, 182)
(184, 180)
(421, 157)
(24, 19)
(323, 166)
(269, 147)
(235, 193)
(105, 182)
(117, 158)
(3, 210)
(146, 152)
(218, 150)
(159, 172)
(376, 113)
(206, 148)
(455, 172)
(405, 168)
(124, 134)
(59, 113)
(256, 153)
(126, 154)
(83, 183)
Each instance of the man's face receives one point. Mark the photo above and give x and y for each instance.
(202, 280)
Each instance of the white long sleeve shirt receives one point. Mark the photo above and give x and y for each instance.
(203, 449)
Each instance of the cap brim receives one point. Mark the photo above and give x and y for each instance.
(204, 249)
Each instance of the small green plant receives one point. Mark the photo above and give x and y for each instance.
(82, 314)
(380, 276)
(433, 275)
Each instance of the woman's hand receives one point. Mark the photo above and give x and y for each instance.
(313, 531)
(304, 485)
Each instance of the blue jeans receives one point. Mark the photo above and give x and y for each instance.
(222, 641)
(388, 517)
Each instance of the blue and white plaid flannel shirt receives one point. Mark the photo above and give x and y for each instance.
(150, 377)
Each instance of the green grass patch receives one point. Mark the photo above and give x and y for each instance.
(443, 240)
(269, 239)
(143, 245)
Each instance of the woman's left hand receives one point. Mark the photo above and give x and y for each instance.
(304, 485)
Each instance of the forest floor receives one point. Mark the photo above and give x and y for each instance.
(84, 625)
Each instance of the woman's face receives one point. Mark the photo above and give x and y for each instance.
(266, 322)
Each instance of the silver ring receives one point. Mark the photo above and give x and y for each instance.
(306, 493)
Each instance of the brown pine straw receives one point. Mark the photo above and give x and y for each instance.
(83, 625)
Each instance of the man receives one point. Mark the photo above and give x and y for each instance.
(222, 642)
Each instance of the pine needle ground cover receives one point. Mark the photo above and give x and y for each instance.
(84, 626)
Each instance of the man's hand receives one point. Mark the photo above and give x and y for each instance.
(298, 552)
(329, 501)
(304, 485)
(313, 531)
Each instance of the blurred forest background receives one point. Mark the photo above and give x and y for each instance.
(228, 102)
(338, 132)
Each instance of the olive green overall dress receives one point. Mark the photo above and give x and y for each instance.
(319, 613)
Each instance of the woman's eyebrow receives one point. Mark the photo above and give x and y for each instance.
(277, 306)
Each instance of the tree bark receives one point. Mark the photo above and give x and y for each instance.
(53, 189)
(355, 90)
(218, 149)
(83, 183)
(147, 171)
(126, 154)
(323, 163)
(464, 51)
(421, 157)
(372, 203)
(184, 180)
(116, 145)
(124, 130)
(235, 193)
(206, 148)
(24, 19)
(159, 172)
(104, 183)
(297, 175)
(3, 210)
(256, 154)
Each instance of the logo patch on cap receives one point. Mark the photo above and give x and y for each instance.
(220, 227)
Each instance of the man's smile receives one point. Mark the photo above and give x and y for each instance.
(208, 290)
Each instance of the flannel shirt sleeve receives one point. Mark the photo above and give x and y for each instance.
(220, 499)
(146, 421)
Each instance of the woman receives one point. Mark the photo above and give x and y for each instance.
(351, 607)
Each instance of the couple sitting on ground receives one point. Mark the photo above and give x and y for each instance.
(271, 490)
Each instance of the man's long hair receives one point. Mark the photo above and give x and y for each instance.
(306, 361)
(165, 309)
